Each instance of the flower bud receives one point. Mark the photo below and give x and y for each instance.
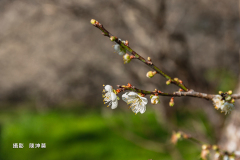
(112, 38)
(155, 100)
(228, 98)
(171, 104)
(220, 92)
(93, 21)
(215, 148)
(205, 154)
(180, 90)
(233, 101)
(126, 58)
(150, 74)
(204, 146)
(168, 82)
(149, 59)
(230, 92)
(126, 43)
(175, 79)
(180, 81)
(176, 136)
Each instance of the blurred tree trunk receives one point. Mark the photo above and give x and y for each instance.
(230, 138)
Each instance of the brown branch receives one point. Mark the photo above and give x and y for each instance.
(176, 81)
(105, 32)
(190, 93)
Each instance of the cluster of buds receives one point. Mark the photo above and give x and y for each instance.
(224, 102)
(178, 80)
(205, 153)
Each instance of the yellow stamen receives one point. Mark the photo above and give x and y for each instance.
(103, 85)
(107, 106)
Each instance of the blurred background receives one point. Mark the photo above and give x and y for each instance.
(54, 62)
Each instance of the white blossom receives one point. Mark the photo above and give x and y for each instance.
(110, 97)
(227, 108)
(218, 102)
(119, 49)
(155, 100)
(137, 103)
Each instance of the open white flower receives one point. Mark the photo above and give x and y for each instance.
(120, 50)
(218, 102)
(137, 103)
(227, 108)
(155, 100)
(110, 97)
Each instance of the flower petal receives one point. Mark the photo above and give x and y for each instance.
(132, 94)
(116, 47)
(114, 104)
(113, 96)
(121, 53)
(142, 109)
(108, 88)
(125, 97)
(144, 100)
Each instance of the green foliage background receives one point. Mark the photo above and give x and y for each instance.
(92, 135)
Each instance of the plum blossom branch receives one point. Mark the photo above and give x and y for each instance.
(125, 45)
(206, 148)
(224, 101)
(190, 93)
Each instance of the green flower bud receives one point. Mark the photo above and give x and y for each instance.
(168, 82)
(93, 21)
(175, 79)
(126, 58)
(150, 74)
(171, 104)
(112, 38)
(230, 92)
(228, 98)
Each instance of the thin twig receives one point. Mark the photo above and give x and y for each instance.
(105, 32)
